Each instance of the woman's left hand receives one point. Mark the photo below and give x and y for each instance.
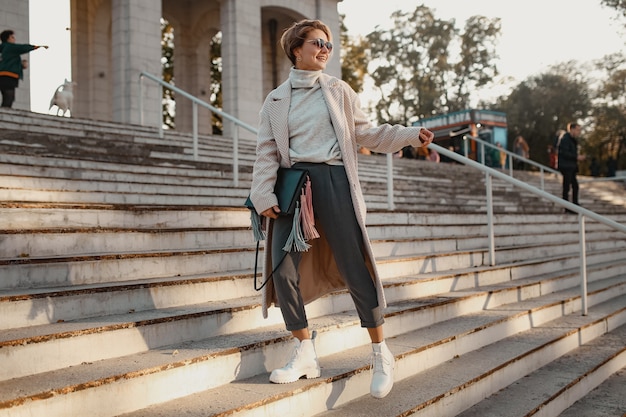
(426, 136)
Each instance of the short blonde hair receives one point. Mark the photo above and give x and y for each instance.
(295, 35)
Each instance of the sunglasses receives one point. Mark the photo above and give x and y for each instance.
(320, 43)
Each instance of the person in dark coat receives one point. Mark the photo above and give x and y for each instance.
(11, 65)
(568, 161)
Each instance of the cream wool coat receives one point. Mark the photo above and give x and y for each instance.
(318, 271)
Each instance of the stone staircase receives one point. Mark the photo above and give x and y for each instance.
(126, 288)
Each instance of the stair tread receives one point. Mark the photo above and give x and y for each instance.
(432, 382)
(530, 392)
(112, 228)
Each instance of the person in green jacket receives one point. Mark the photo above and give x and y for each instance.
(11, 65)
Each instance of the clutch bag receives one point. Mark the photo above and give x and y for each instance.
(289, 184)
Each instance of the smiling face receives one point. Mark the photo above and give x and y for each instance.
(310, 56)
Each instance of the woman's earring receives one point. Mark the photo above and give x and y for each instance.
(298, 59)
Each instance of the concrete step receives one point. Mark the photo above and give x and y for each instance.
(218, 188)
(111, 173)
(35, 307)
(121, 198)
(40, 243)
(606, 400)
(467, 192)
(27, 272)
(44, 216)
(63, 316)
(59, 167)
(152, 338)
(129, 295)
(345, 374)
(543, 393)
(452, 387)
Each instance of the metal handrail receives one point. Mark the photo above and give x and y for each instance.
(197, 102)
(582, 212)
(489, 173)
(510, 157)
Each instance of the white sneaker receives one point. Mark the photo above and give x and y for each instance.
(382, 370)
(303, 362)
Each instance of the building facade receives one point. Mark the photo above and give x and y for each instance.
(114, 41)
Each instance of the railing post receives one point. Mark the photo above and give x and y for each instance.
(195, 130)
(482, 153)
(491, 237)
(542, 175)
(235, 155)
(390, 203)
(511, 165)
(583, 263)
(465, 150)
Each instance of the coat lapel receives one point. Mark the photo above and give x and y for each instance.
(333, 94)
(279, 119)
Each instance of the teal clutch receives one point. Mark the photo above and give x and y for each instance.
(288, 188)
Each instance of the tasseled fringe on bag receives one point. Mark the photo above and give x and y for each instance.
(303, 228)
(307, 217)
(295, 241)
(257, 226)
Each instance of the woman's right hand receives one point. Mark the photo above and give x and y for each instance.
(271, 212)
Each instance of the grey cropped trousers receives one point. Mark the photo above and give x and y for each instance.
(332, 205)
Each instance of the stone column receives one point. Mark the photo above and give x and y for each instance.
(136, 46)
(192, 74)
(242, 81)
(326, 11)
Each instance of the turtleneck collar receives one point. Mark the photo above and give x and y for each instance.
(303, 78)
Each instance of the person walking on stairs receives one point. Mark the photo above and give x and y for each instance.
(314, 121)
(568, 161)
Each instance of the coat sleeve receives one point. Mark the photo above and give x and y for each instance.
(384, 138)
(265, 165)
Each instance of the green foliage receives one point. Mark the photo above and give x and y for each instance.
(353, 59)
(216, 82)
(540, 106)
(619, 5)
(424, 65)
(607, 139)
(167, 63)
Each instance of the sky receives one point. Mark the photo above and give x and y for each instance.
(49, 23)
(535, 34)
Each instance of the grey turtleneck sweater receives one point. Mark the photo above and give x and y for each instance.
(312, 137)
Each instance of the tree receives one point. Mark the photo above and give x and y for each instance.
(424, 65)
(167, 63)
(543, 104)
(619, 5)
(353, 59)
(215, 99)
(607, 141)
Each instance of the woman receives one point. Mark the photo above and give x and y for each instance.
(313, 121)
(11, 65)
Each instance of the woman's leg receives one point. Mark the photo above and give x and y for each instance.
(303, 361)
(376, 334)
(335, 213)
